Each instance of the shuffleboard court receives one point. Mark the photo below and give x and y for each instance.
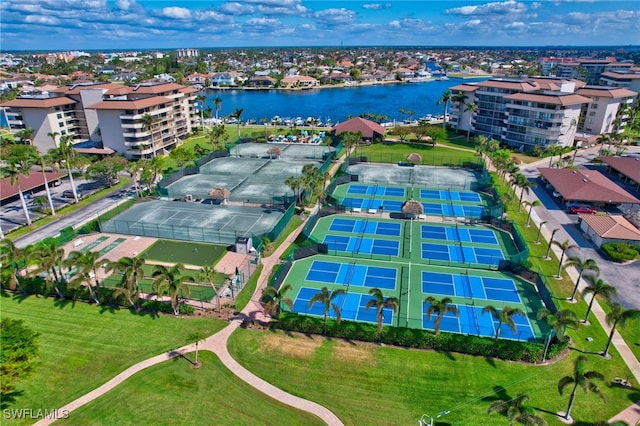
(470, 286)
(471, 320)
(352, 274)
(446, 195)
(448, 233)
(361, 226)
(462, 254)
(376, 190)
(362, 245)
(352, 306)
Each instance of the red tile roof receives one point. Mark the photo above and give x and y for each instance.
(557, 98)
(27, 183)
(38, 103)
(613, 227)
(606, 92)
(586, 185)
(630, 167)
(368, 128)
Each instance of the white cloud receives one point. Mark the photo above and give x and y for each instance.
(340, 16)
(377, 6)
(235, 8)
(176, 12)
(40, 19)
(493, 8)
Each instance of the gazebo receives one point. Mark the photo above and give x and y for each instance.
(412, 208)
(220, 193)
(414, 158)
(274, 150)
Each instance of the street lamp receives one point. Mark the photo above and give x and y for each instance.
(550, 242)
(540, 230)
(427, 420)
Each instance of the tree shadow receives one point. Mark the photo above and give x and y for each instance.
(10, 398)
(491, 361)
(112, 309)
(63, 303)
(176, 356)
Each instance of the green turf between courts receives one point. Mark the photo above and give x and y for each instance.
(184, 252)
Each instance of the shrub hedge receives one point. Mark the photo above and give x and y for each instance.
(420, 339)
(621, 252)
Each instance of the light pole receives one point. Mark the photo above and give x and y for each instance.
(550, 242)
(427, 420)
(540, 230)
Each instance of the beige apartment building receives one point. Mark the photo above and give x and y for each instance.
(108, 113)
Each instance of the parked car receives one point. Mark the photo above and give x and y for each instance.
(557, 194)
(68, 193)
(583, 210)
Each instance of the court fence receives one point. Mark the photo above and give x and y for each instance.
(278, 277)
(521, 245)
(427, 160)
(282, 223)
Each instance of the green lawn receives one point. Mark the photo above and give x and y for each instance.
(185, 252)
(367, 384)
(174, 393)
(82, 346)
(396, 152)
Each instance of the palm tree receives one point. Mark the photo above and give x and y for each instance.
(564, 246)
(597, 287)
(525, 186)
(531, 205)
(54, 136)
(217, 102)
(544, 222)
(581, 378)
(380, 302)
(581, 266)
(147, 123)
(84, 267)
(209, 273)
(559, 321)
(274, 298)
(11, 256)
(196, 337)
(440, 308)
(471, 108)
(171, 281)
(504, 316)
(48, 257)
(516, 411)
(201, 99)
(133, 168)
(326, 297)
(237, 114)
(132, 272)
(19, 160)
(41, 159)
(445, 99)
(618, 315)
(68, 155)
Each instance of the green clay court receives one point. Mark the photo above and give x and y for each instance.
(184, 252)
(177, 220)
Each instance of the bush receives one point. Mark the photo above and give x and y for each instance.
(621, 252)
(420, 339)
(159, 306)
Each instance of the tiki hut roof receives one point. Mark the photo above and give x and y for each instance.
(414, 158)
(274, 150)
(219, 193)
(412, 207)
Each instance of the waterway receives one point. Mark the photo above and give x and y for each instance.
(336, 104)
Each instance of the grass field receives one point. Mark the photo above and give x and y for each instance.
(366, 384)
(82, 346)
(184, 252)
(395, 152)
(174, 393)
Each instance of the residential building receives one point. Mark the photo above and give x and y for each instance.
(187, 53)
(609, 229)
(123, 114)
(590, 70)
(536, 111)
(298, 81)
(628, 79)
(605, 103)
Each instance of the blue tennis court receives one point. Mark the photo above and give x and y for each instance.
(372, 204)
(470, 286)
(376, 190)
(459, 210)
(352, 274)
(362, 245)
(471, 320)
(359, 226)
(463, 254)
(465, 235)
(352, 306)
(435, 194)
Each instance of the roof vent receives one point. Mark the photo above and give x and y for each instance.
(575, 172)
(585, 180)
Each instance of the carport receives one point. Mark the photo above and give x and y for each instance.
(586, 186)
(627, 167)
(31, 183)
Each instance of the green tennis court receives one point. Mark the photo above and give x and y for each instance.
(184, 252)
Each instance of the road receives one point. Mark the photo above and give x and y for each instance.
(75, 219)
(626, 278)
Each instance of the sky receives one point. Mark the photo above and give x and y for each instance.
(137, 24)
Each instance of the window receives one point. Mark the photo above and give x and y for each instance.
(60, 124)
(58, 116)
